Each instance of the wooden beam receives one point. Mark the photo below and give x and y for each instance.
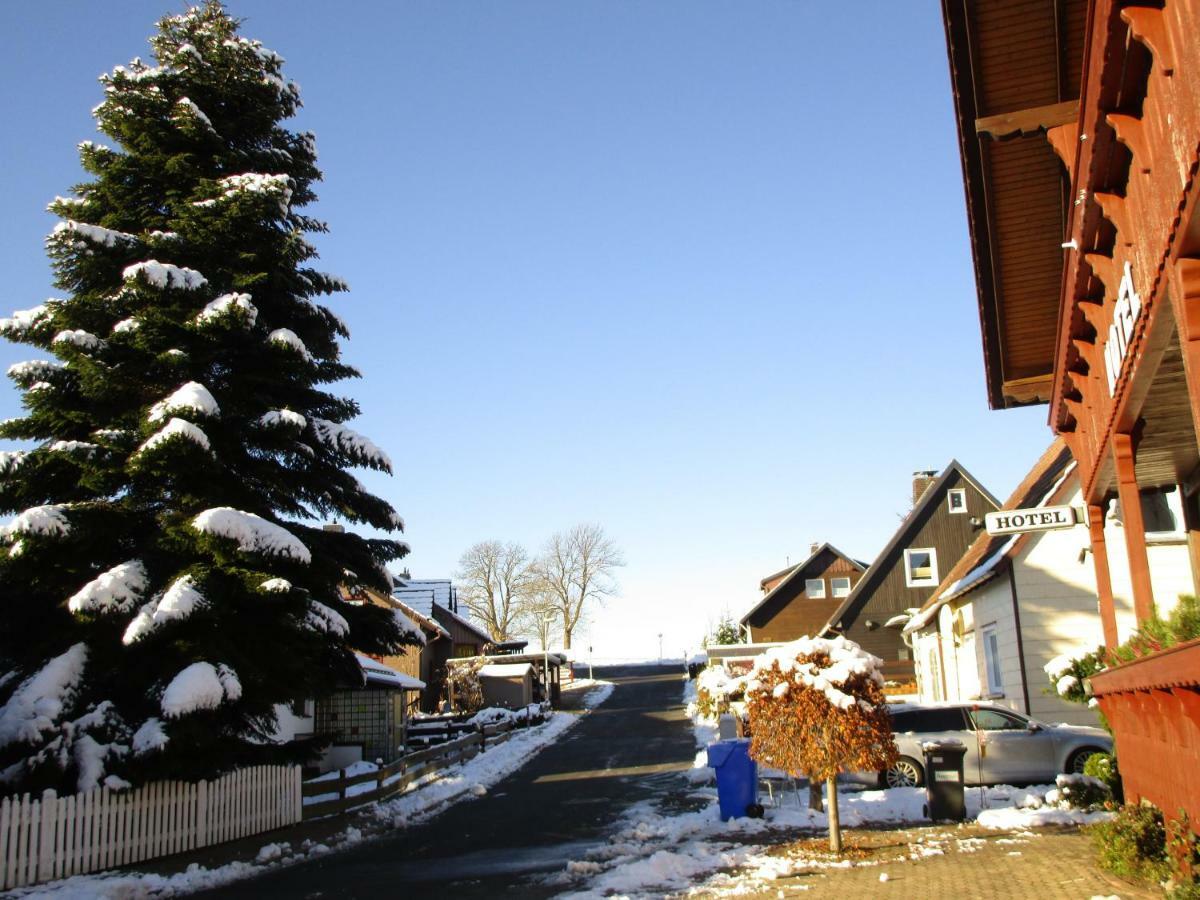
(1028, 121)
(1035, 389)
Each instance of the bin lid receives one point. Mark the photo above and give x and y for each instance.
(943, 745)
(720, 751)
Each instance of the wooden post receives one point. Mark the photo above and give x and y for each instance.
(1135, 527)
(835, 824)
(1104, 593)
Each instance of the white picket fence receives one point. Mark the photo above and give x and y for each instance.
(55, 837)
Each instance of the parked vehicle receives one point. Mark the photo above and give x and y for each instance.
(1016, 748)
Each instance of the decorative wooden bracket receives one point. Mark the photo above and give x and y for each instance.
(1064, 139)
(1146, 24)
(1105, 268)
(1116, 210)
(1093, 314)
(1131, 133)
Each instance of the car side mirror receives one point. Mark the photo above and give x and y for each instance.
(1034, 727)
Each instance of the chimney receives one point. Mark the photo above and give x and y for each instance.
(334, 527)
(814, 547)
(921, 482)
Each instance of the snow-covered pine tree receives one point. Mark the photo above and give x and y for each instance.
(159, 594)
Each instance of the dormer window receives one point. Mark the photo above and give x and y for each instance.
(814, 588)
(956, 500)
(920, 567)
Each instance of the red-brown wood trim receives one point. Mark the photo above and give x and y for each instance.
(1104, 592)
(1134, 525)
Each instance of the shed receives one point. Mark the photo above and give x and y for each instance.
(507, 684)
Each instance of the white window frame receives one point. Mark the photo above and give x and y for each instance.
(844, 587)
(808, 588)
(932, 581)
(993, 671)
(961, 493)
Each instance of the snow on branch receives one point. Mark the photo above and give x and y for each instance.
(149, 737)
(165, 275)
(11, 460)
(105, 237)
(276, 586)
(274, 418)
(179, 601)
(226, 304)
(34, 369)
(189, 109)
(321, 618)
(285, 337)
(22, 320)
(116, 590)
(277, 186)
(77, 337)
(350, 443)
(176, 428)
(44, 520)
(252, 533)
(200, 686)
(846, 660)
(39, 701)
(192, 396)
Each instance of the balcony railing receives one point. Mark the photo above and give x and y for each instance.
(1153, 707)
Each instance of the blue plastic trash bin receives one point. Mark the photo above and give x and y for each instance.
(737, 777)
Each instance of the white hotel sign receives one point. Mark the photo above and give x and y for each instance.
(1125, 315)
(1018, 521)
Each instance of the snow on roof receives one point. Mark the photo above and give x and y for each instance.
(377, 673)
(505, 670)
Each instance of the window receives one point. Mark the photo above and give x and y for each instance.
(995, 720)
(1161, 511)
(943, 718)
(463, 651)
(920, 567)
(814, 588)
(841, 587)
(991, 660)
(957, 500)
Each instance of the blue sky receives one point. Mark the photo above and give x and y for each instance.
(696, 271)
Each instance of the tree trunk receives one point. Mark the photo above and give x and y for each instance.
(814, 795)
(835, 825)
(566, 636)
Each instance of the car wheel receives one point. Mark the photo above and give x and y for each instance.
(1079, 759)
(904, 772)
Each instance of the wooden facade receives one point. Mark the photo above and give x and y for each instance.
(790, 607)
(1115, 348)
(884, 592)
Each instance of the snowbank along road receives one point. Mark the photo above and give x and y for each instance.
(532, 823)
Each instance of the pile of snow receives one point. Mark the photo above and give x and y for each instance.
(253, 534)
(116, 590)
(165, 275)
(846, 659)
(200, 686)
(191, 397)
(495, 715)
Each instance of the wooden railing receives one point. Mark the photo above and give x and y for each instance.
(55, 837)
(1153, 707)
(397, 776)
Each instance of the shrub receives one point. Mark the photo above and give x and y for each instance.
(1104, 767)
(1133, 844)
(1082, 791)
(1157, 633)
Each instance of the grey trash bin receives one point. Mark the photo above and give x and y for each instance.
(944, 797)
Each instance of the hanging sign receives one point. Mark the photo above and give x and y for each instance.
(1019, 521)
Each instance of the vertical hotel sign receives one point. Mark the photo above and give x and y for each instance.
(1120, 332)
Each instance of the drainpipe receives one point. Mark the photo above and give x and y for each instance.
(1012, 585)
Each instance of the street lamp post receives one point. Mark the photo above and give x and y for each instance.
(660, 646)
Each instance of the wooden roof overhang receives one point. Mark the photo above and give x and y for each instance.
(1015, 71)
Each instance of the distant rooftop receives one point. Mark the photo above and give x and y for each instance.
(421, 594)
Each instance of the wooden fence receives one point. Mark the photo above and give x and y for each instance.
(397, 776)
(56, 837)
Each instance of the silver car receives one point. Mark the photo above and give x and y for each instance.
(1016, 749)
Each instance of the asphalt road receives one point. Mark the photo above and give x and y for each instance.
(628, 750)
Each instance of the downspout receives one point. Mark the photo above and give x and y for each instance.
(1012, 585)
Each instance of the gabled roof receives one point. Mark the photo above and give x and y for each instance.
(424, 621)
(981, 562)
(795, 571)
(904, 533)
(422, 594)
(465, 623)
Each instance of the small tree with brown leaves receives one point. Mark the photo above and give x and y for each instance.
(817, 708)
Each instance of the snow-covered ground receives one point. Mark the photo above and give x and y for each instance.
(468, 781)
(653, 852)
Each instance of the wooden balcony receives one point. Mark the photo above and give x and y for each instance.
(1153, 706)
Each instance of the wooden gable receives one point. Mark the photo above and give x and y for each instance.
(787, 612)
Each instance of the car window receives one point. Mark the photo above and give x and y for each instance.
(942, 718)
(994, 720)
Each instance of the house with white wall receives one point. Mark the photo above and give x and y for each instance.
(1014, 602)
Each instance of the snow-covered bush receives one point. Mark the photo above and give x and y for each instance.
(1080, 791)
(464, 687)
(715, 690)
(1068, 673)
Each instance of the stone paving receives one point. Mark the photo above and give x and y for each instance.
(966, 862)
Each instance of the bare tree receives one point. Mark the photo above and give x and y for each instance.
(575, 569)
(539, 614)
(495, 581)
